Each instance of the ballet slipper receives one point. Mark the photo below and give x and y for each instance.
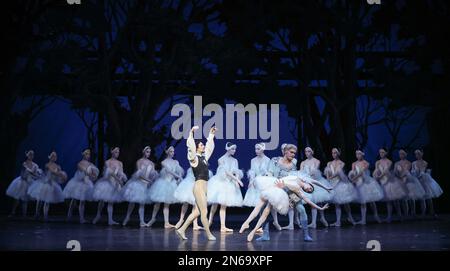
(250, 236)
(336, 224)
(142, 225)
(288, 227)
(312, 226)
(324, 222)
(225, 229)
(244, 227)
(277, 225)
(197, 228)
(360, 222)
(259, 231)
(181, 234)
(211, 238)
(168, 226)
(112, 223)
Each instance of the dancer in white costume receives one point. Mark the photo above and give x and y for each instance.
(185, 195)
(47, 189)
(402, 171)
(108, 188)
(392, 187)
(223, 188)
(18, 189)
(81, 186)
(280, 167)
(369, 190)
(343, 190)
(259, 166)
(432, 188)
(286, 193)
(162, 191)
(137, 188)
(310, 166)
(198, 155)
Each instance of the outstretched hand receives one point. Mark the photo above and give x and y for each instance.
(324, 207)
(213, 130)
(193, 129)
(280, 183)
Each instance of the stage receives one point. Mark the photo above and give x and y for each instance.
(17, 234)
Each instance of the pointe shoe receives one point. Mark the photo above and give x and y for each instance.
(312, 226)
(168, 226)
(277, 226)
(336, 224)
(250, 236)
(243, 228)
(259, 231)
(181, 235)
(179, 223)
(112, 223)
(288, 227)
(197, 228)
(96, 219)
(125, 222)
(360, 222)
(225, 229)
(324, 222)
(142, 225)
(211, 238)
(266, 234)
(150, 223)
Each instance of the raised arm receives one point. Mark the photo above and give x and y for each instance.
(191, 148)
(209, 147)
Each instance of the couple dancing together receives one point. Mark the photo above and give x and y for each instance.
(278, 192)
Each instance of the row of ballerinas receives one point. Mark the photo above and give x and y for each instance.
(402, 185)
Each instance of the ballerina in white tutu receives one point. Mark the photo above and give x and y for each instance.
(369, 190)
(185, 195)
(259, 166)
(163, 189)
(137, 188)
(432, 188)
(282, 194)
(223, 188)
(310, 166)
(393, 188)
(18, 189)
(81, 186)
(47, 189)
(108, 188)
(402, 171)
(343, 190)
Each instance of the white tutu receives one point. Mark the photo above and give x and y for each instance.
(343, 190)
(136, 191)
(80, 187)
(414, 187)
(432, 188)
(252, 197)
(46, 189)
(107, 191)
(276, 196)
(393, 188)
(18, 189)
(369, 190)
(223, 191)
(163, 190)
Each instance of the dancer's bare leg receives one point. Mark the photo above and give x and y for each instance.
(363, 214)
(183, 211)
(212, 212)
(201, 208)
(223, 215)
(275, 219)
(167, 224)
(252, 215)
(373, 205)
(70, 211)
(46, 208)
(100, 206)
(110, 214)
(338, 216)
(154, 213)
(290, 226)
(313, 223)
(261, 220)
(81, 212)
(129, 211)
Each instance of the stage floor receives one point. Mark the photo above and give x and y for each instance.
(17, 234)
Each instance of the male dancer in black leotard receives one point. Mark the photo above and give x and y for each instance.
(198, 156)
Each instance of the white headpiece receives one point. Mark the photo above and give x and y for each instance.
(168, 149)
(337, 150)
(360, 152)
(53, 153)
(146, 148)
(229, 145)
(309, 149)
(261, 145)
(115, 148)
(28, 152)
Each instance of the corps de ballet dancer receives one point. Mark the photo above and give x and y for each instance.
(185, 195)
(198, 155)
(47, 189)
(402, 171)
(259, 166)
(163, 189)
(108, 187)
(393, 188)
(432, 188)
(311, 167)
(281, 167)
(282, 194)
(224, 186)
(369, 190)
(343, 190)
(18, 189)
(136, 189)
(81, 186)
